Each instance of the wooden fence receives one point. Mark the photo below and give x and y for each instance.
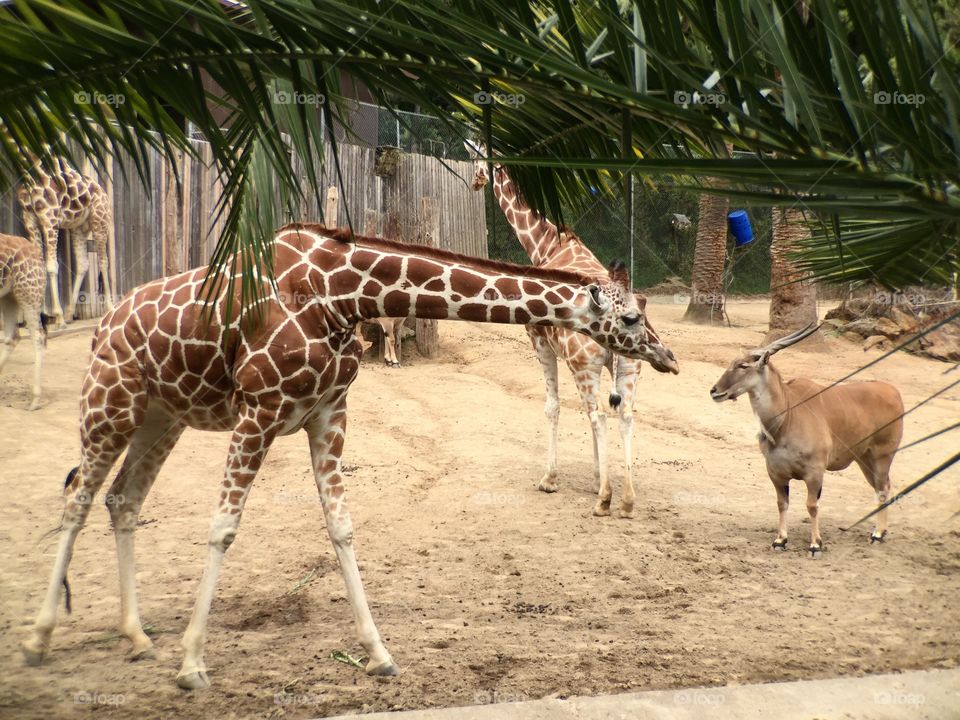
(161, 230)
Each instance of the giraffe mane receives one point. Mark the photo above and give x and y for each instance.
(344, 235)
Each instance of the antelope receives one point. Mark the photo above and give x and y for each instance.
(806, 428)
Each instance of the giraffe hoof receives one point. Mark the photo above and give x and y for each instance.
(143, 653)
(602, 508)
(876, 537)
(196, 680)
(34, 405)
(33, 652)
(816, 551)
(780, 545)
(548, 485)
(383, 668)
(626, 512)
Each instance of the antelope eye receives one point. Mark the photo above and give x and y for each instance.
(743, 366)
(631, 319)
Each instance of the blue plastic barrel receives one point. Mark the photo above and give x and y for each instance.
(739, 223)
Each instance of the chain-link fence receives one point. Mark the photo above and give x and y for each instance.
(413, 132)
(665, 216)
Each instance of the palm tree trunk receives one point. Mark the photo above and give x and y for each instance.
(793, 300)
(707, 303)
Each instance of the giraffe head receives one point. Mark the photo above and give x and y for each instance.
(616, 318)
(477, 152)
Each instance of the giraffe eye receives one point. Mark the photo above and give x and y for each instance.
(631, 319)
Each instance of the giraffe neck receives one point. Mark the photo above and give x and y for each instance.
(539, 237)
(399, 282)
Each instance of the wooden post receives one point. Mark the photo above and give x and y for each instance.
(427, 335)
(370, 222)
(170, 214)
(330, 213)
(107, 184)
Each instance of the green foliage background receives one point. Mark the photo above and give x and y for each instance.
(659, 251)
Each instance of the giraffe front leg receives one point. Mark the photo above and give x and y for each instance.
(53, 273)
(551, 409)
(626, 385)
(598, 423)
(248, 447)
(9, 340)
(326, 446)
(626, 436)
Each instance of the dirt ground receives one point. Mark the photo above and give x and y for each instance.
(485, 589)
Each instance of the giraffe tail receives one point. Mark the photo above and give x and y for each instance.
(71, 476)
(614, 399)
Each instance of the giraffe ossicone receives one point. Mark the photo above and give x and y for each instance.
(158, 368)
(68, 200)
(551, 247)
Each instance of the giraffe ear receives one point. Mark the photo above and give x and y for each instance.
(598, 301)
(475, 150)
(619, 274)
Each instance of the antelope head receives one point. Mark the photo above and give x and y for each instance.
(748, 372)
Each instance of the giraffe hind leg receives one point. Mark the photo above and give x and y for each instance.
(104, 435)
(149, 448)
(81, 489)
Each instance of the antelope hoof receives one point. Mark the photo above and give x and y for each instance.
(816, 551)
(33, 652)
(196, 680)
(548, 484)
(34, 405)
(780, 545)
(878, 537)
(626, 511)
(383, 668)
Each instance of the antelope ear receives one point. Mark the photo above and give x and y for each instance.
(619, 274)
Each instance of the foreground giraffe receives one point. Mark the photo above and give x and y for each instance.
(67, 200)
(549, 247)
(22, 285)
(157, 369)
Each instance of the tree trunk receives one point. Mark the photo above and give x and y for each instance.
(793, 300)
(707, 302)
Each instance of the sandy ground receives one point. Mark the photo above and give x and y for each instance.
(484, 588)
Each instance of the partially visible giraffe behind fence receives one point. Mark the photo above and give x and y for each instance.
(22, 285)
(65, 199)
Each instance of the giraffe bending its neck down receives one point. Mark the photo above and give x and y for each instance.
(67, 200)
(157, 368)
(550, 247)
(22, 285)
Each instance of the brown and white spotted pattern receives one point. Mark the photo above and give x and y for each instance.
(157, 368)
(552, 247)
(67, 200)
(22, 286)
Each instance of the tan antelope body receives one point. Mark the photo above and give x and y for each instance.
(807, 429)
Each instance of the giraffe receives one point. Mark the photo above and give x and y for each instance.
(551, 247)
(157, 368)
(22, 286)
(67, 200)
